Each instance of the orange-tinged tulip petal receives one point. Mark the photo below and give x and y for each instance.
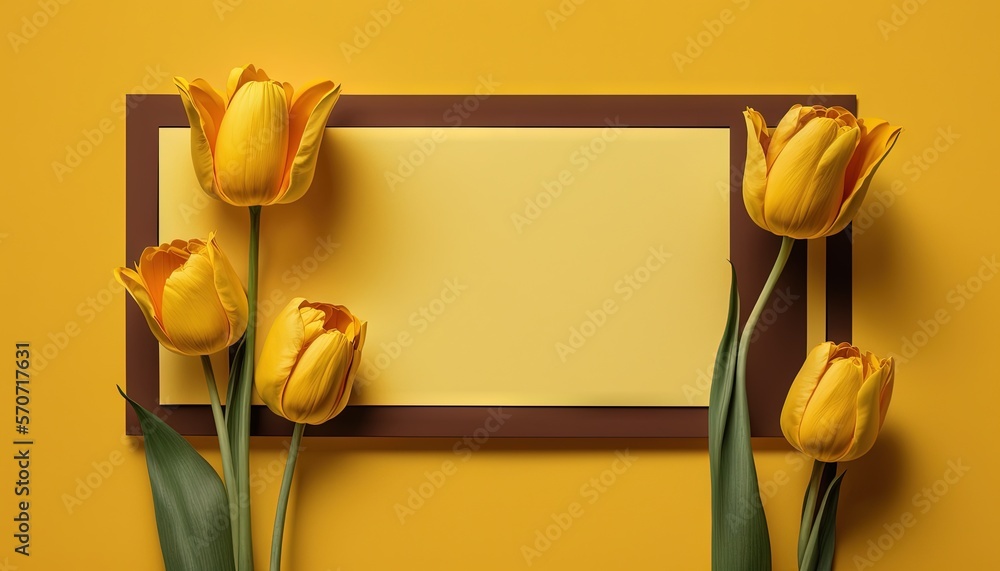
(791, 205)
(230, 291)
(238, 77)
(253, 140)
(876, 147)
(309, 360)
(802, 390)
(867, 423)
(190, 296)
(818, 164)
(827, 429)
(837, 403)
(192, 312)
(318, 380)
(307, 122)
(755, 170)
(133, 283)
(202, 125)
(259, 144)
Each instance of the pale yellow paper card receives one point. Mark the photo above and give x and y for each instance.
(480, 286)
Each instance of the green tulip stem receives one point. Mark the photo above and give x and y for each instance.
(242, 394)
(751, 324)
(286, 486)
(224, 450)
(809, 502)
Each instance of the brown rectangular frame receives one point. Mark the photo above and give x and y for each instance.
(776, 354)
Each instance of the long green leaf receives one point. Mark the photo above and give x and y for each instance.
(192, 517)
(740, 540)
(822, 540)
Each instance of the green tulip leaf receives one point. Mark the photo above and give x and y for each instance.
(818, 555)
(189, 499)
(740, 540)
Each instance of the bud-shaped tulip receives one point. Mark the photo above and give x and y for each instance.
(309, 361)
(809, 177)
(837, 403)
(258, 145)
(192, 298)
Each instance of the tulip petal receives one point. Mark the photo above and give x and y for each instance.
(307, 122)
(828, 182)
(318, 380)
(755, 169)
(204, 131)
(828, 425)
(237, 78)
(795, 205)
(156, 265)
(888, 379)
(230, 290)
(132, 281)
(279, 355)
(876, 147)
(802, 390)
(345, 391)
(794, 120)
(252, 145)
(867, 423)
(192, 314)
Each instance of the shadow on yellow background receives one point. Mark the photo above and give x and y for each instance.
(925, 256)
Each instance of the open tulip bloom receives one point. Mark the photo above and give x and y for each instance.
(258, 144)
(805, 179)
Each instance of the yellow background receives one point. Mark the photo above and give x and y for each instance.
(931, 71)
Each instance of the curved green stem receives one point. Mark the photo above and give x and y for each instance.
(224, 450)
(286, 486)
(765, 294)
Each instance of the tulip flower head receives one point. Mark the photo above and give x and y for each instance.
(809, 177)
(190, 295)
(309, 361)
(837, 403)
(258, 144)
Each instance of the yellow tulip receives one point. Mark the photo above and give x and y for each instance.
(837, 403)
(309, 360)
(809, 177)
(192, 298)
(258, 145)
